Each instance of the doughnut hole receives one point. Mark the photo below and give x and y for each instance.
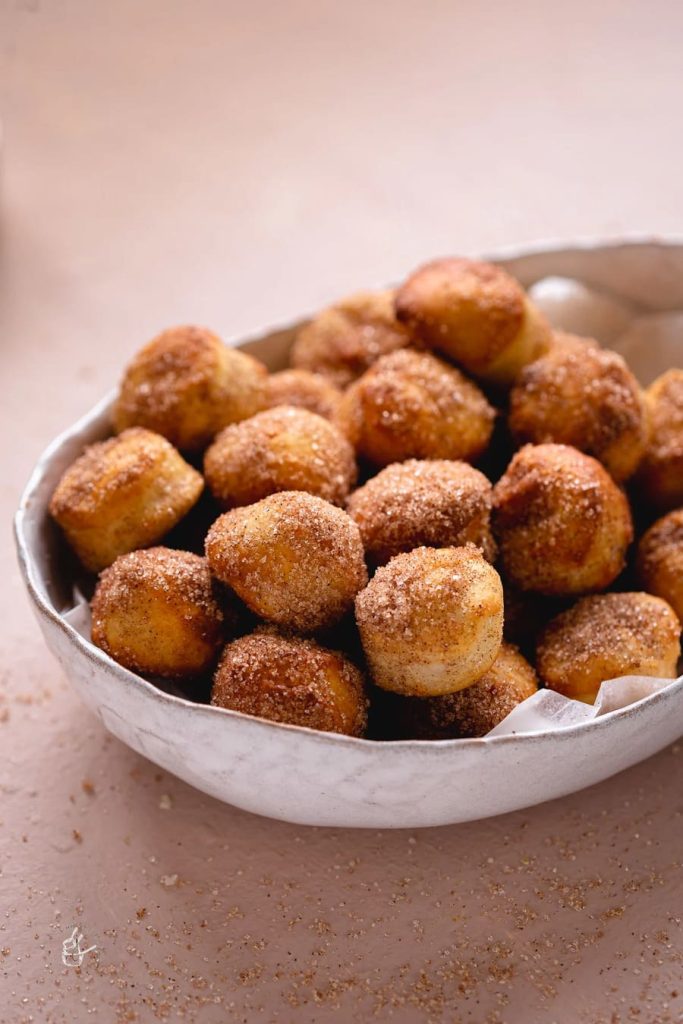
(584, 396)
(186, 384)
(294, 559)
(476, 314)
(282, 449)
(413, 405)
(291, 680)
(562, 525)
(606, 636)
(660, 475)
(474, 711)
(121, 494)
(305, 390)
(343, 341)
(431, 621)
(156, 612)
(423, 503)
(659, 562)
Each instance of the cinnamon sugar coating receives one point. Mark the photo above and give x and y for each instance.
(660, 476)
(659, 562)
(156, 612)
(423, 503)
(412, 405)
(562, 524)
(476, 710)
(282, 449)
(431, 620)
(606, 636)
(121, 494)
(187, 385)
(293, 680)
(303, 389)
(584, 396)
(294, 559)
(343, 341)
(476, 314)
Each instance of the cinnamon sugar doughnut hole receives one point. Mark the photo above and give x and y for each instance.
(584, 396)
(305, 390)
(562, 524)
(156, 612)
(121, 494)
(659, 562)
(187, 385)
(413, 405)
(476, 710)
(294, 559)
(606, 636)
(431, 621)
(660, 475)
(423, 503)
(476, 314)
(293, 680)
(343, 341)
(282, 449)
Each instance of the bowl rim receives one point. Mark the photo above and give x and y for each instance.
(43, 605)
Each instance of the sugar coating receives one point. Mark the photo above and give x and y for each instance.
(659, 562)
(475, 710)
(476, 314)
(660, 476)
(431, 620)
(465, 304)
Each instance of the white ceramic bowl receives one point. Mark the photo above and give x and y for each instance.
(299, 775)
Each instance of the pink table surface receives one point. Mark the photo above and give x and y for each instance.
(237, 164)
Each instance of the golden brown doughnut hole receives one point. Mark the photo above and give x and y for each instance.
(292, 680)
